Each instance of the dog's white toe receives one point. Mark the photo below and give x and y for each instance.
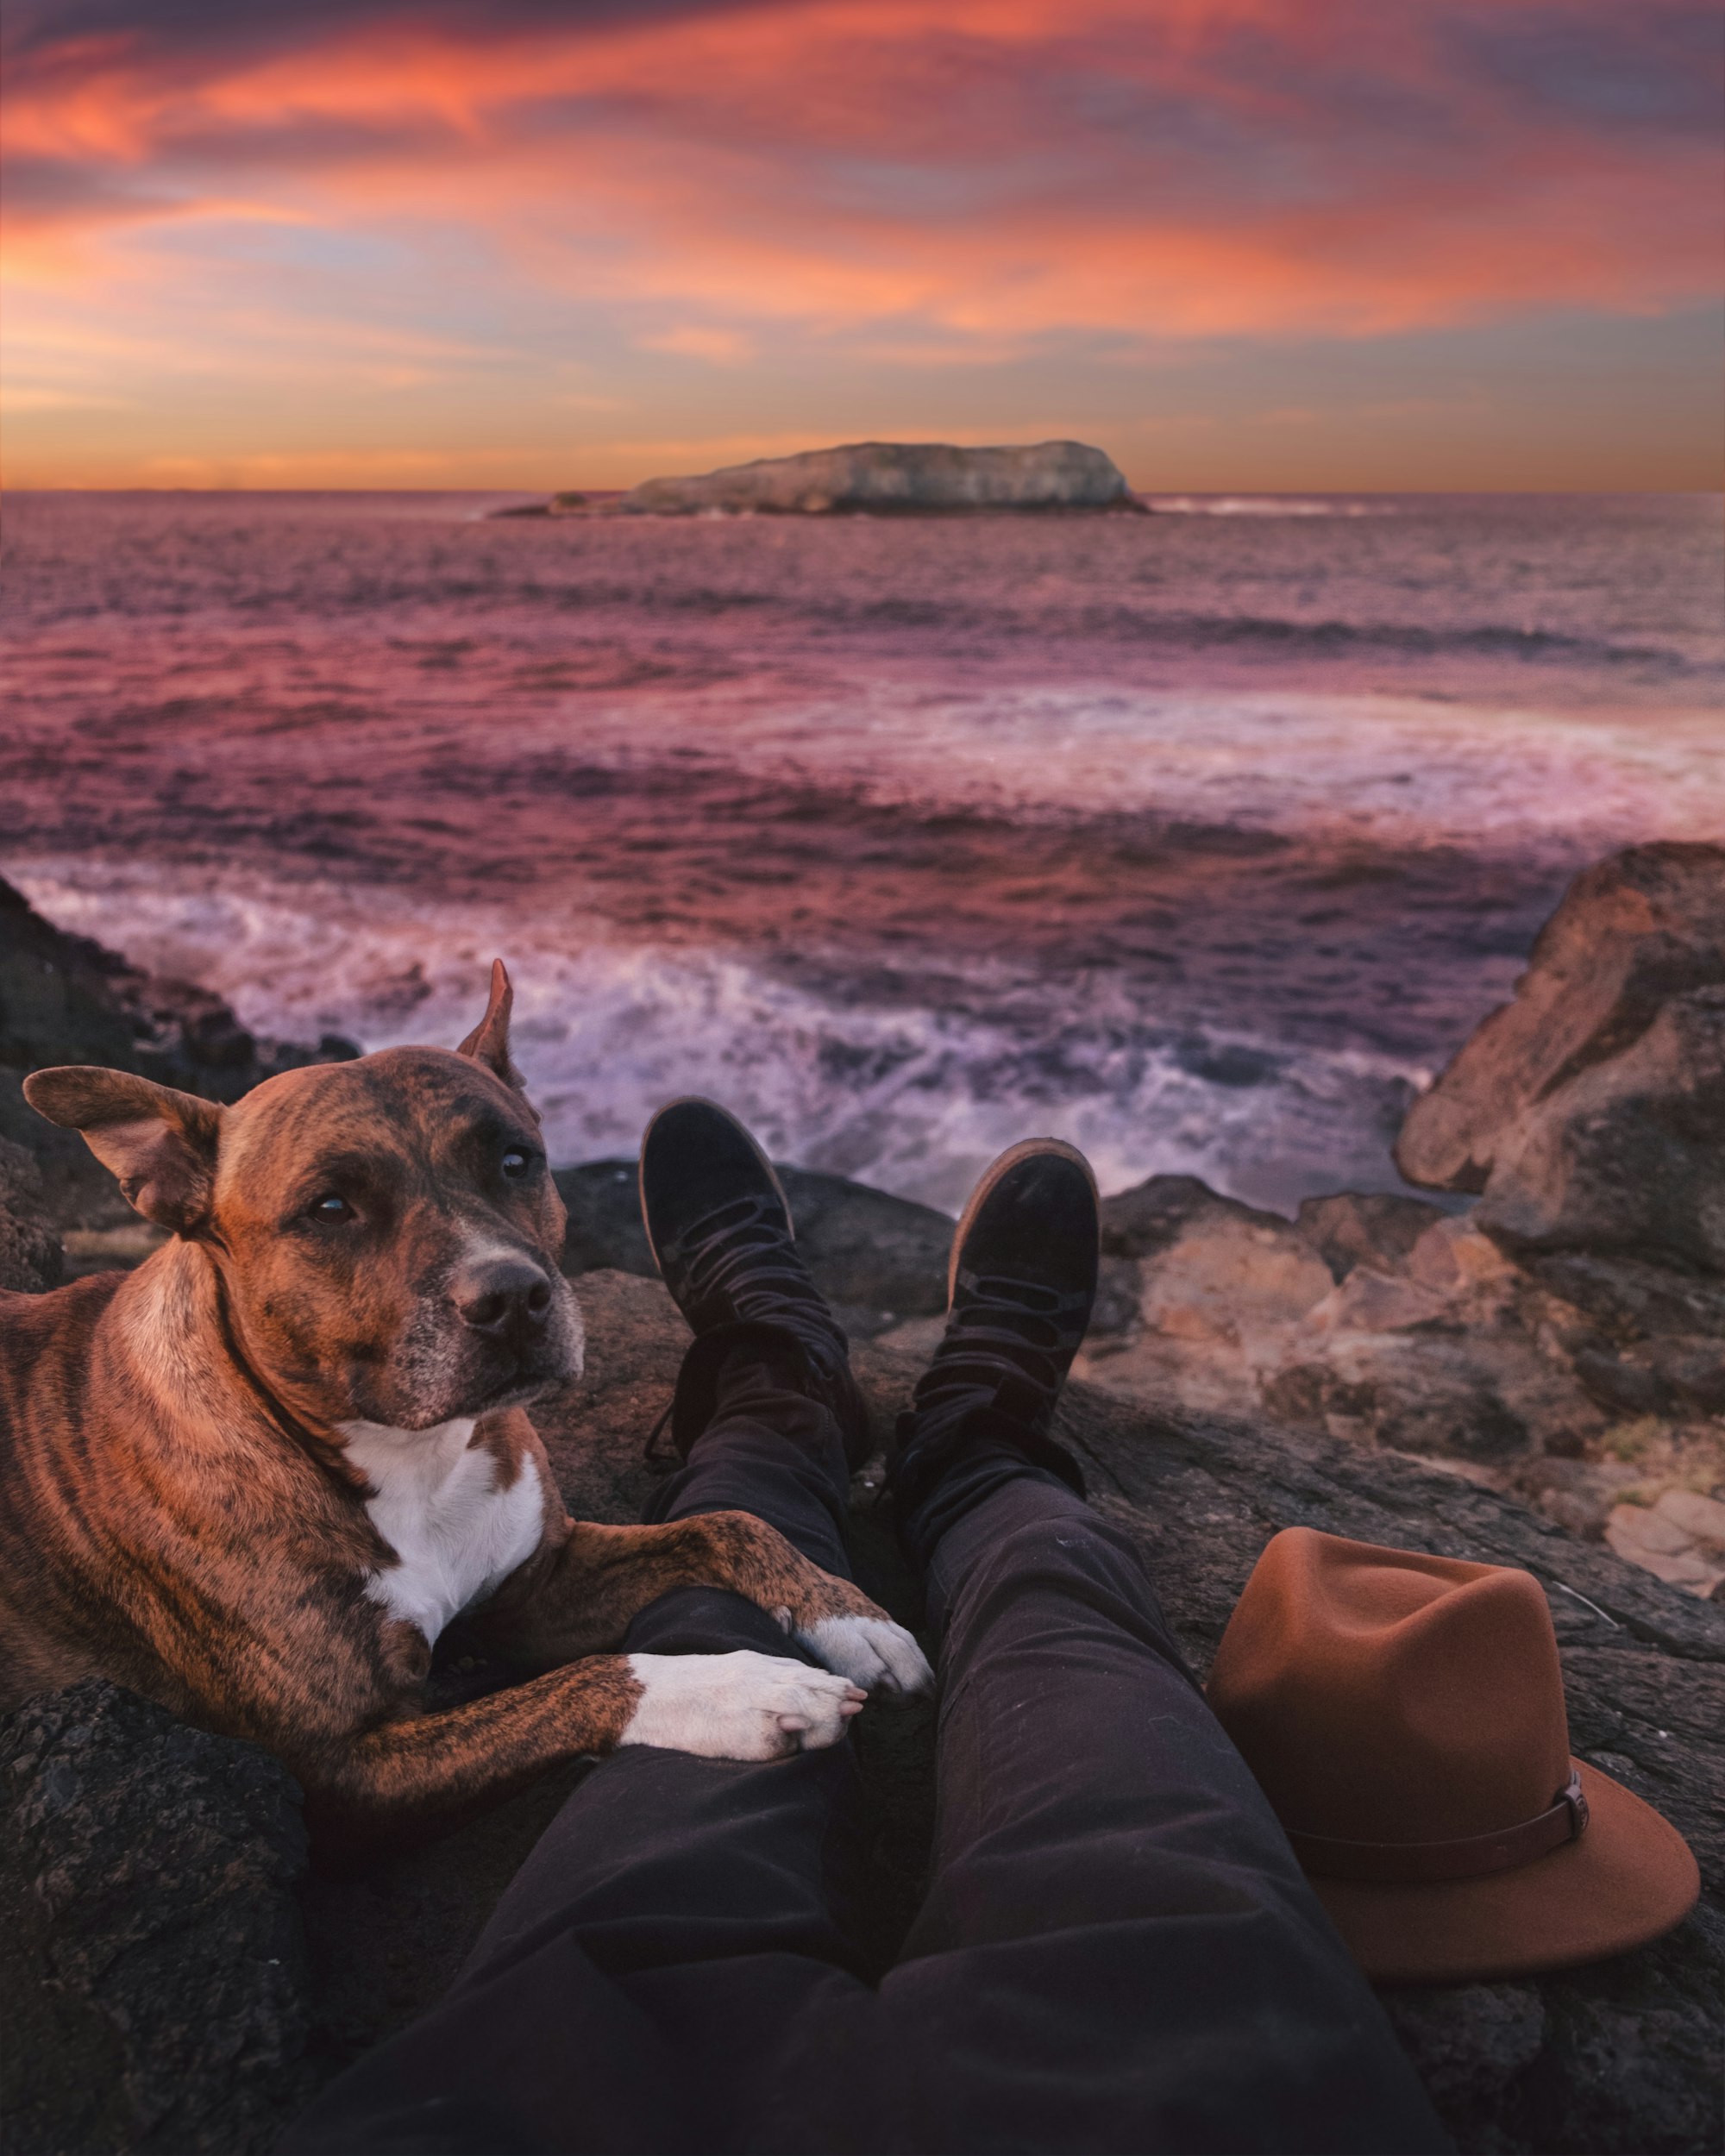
(740, 1706)
(871, 1652)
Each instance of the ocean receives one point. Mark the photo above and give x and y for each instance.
(1199, 838)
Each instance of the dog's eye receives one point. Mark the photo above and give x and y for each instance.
(330, 1208)
(516, 1163)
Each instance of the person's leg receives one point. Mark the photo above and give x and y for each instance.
(1118, 1951)
(677, 1909)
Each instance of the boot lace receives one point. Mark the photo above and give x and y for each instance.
(740, 1258)
(1003, 1329)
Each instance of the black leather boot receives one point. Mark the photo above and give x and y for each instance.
(1020, 1287)
(721, 1235)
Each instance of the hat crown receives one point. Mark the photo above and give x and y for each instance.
(1384, 1695)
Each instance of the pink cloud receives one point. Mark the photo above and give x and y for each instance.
(900, 185)
(990, 166)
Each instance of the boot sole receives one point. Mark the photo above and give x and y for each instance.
(1025, 1150)
(701, 1101)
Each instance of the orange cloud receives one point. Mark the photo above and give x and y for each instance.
(914, 182)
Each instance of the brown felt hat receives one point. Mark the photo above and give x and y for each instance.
(1405, 1716)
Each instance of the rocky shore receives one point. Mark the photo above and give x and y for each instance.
(67, 999)
(1538, 1381)
(879, 479)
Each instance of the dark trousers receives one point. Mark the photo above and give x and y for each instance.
(1118, 1951)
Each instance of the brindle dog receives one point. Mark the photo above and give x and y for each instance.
(255, 1478)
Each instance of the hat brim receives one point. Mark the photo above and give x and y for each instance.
(1628, 1878)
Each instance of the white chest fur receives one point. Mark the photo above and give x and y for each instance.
(439, 1507)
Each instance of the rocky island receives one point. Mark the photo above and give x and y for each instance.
(880, 479)
(1537, 1382)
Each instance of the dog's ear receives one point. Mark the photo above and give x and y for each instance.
(488, 1043)
(160, 1144)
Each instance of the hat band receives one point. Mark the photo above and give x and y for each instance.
(1472, 1857)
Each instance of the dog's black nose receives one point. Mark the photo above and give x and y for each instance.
(502, 1295)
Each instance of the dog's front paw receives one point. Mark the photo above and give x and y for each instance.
(872, 1652)
(740, 1706)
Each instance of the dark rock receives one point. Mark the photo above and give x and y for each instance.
(1626, 1387)
(1120, 1289)
(1629, 1154)
(1417, 1393)
(865, 1247)
(1627, 2055)
(1375, 1228)
(150, 1932)
(30, 1255)
(1657, 1377)
(605, 1233)
(902, 478)
(1632, 933)
(1629, 1298)
(1695, 1371)
(65, 999)
(1471, 2044)
(1577, 1493)
(868, 1251)
(572, 502)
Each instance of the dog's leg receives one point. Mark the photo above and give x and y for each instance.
(431, 1769)
(578, 1598)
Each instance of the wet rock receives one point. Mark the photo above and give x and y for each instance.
(30, 1255)
(1374, 1228)
(65, 999)
(1632, 933)
(901, 478)
(150, 1938)
(1627, 1156)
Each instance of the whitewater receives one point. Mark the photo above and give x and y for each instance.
(1200, 839)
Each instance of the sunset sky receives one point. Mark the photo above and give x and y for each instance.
(1242, 244)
